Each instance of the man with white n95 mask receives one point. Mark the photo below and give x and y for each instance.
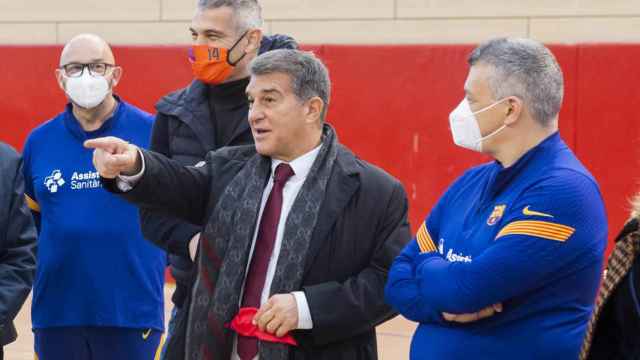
(507, 264)
(98, 292)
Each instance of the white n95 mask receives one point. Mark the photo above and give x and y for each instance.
(87, 90)
(465, 128)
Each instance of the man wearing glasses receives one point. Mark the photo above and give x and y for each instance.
(99, 285)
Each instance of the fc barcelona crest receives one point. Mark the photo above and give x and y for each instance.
(496, 215)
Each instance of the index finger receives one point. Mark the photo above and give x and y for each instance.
(109, 144)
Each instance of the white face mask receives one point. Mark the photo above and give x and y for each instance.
(87, 91)
(465, 128)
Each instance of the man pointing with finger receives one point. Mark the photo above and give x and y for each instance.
(299, 233)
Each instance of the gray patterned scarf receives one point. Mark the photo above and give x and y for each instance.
(225, 246)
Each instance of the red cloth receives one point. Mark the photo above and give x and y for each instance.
(242, 325)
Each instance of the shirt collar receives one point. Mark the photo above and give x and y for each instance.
(300, 165)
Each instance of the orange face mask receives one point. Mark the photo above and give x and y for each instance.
(211, 65)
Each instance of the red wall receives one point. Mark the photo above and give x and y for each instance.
(390, 105)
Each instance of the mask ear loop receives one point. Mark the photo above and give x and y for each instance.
(233, 47)
(497, 130)
(490, 106)
(492, 134)
(474, 113)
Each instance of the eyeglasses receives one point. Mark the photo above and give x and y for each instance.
(95, 69)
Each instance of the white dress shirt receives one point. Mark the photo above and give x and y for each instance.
(301, 167)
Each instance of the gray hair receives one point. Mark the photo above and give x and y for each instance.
(248, 13)
(524, 68)
(309, 76)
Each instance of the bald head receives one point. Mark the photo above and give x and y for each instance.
(85, 49)
(87, 60)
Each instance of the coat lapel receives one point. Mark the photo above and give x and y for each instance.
(343, 184)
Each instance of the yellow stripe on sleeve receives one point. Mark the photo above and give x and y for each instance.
(159, 349)
(548, 231)
(541, 229)
(32, 204)
(424, 239)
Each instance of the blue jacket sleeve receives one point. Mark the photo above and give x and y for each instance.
(402, 291)
(554, 229)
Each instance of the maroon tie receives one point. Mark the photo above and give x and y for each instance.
(254, 282)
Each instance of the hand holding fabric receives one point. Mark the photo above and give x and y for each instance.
(278, 315)
(243, 325)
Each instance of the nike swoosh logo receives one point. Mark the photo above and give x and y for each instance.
(145, 334)
(528, 212)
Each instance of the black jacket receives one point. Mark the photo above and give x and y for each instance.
(361, 227)
(17, 243)
(617, 331)
(184, 131)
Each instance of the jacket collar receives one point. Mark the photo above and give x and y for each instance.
(630, 227)
(191, 106)
(532, 160)
(73, 125)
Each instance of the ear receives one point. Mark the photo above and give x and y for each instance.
(513, 110)
(60, 78)
(315, 107)
(254, 39)
(116, 75)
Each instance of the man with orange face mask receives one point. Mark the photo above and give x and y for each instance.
(206, 115)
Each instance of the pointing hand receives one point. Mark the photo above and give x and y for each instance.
(113, 156)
